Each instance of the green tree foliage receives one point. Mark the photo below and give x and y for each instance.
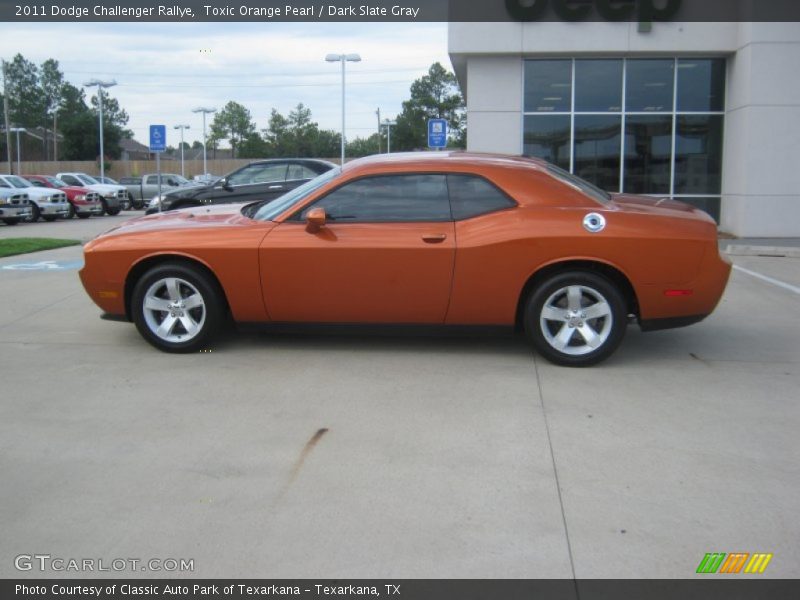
(26, 105)
(233, 123)
(363, 146)
(433, 96)
(295, 135)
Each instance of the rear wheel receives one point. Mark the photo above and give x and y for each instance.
(576, 319)
(177, 307)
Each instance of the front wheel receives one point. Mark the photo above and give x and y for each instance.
(177, 307)
(113, 211)
(11, 221)
(576, 319)
(35, 213)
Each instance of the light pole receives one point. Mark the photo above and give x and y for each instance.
(389, 124)
(343, 58)
(100, 85)
(18, 130)
(205, 111)
(182, 127)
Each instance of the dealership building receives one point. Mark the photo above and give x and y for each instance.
(708, 113)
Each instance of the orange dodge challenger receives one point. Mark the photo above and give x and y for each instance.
(425, 238)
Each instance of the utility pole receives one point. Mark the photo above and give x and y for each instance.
(378, 112)
(5, 111)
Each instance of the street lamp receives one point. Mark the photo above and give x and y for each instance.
(342, 58)
(100, 85)
(205, 111)
(182, 127)
(18, 130)
(389, 124)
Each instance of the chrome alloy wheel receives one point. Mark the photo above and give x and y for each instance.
(174, 310)
(576, 320)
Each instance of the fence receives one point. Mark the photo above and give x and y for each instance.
(130, 168)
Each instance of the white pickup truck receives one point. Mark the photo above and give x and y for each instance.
(14, 206)
(46, 203)
(114, 198)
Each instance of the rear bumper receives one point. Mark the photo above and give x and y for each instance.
(669, 322)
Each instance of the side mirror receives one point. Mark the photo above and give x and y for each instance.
(315, 219)
(225, 184)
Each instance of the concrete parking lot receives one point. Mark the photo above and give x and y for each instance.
(381, 456)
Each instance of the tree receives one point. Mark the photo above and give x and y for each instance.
(363, 146)
(433, 96)
(77, 125)
(51, 81)
(276, 135)
(233, 123)
(26, 104)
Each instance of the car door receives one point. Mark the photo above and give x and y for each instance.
(259, 181)
(385, 255)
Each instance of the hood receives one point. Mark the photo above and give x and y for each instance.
(220, 215)
(75, 189)
(665, 207)
(37, 192)
(105, 188)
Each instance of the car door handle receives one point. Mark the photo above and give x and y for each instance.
(275, 187)
(434, 238)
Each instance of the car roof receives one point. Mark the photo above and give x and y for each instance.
(446, 160)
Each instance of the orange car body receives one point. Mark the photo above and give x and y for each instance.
(474, 271)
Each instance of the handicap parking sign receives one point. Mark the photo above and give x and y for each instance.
(437, 133)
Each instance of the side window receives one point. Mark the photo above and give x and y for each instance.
(259, 174)
(37, 183)
(386, 199)
(70, 180)
(471, 196)
(300, 172)
(151, 180)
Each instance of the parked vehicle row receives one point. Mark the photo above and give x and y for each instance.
(34, 197)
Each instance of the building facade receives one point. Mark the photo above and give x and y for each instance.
(708, 113)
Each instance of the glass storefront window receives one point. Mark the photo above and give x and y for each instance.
(598, 85)
(701, 85)
(548, 86)
(597, 149)
(698, 154)
(648, 153)
(650, 84)
(631, 129)
(548, 137)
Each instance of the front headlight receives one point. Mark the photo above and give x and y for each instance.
(80, 197)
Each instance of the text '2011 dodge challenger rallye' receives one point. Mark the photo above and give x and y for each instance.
(424, 238)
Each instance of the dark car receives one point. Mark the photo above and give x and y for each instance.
(262, 180)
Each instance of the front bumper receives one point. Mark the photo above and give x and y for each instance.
(10, 211)
(59, 210)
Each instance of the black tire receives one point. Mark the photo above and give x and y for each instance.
(104, 204)
(72, 212)
(113, 211)
(83, 215)
(35, 213)
(11, 221)
(190, 280)
(50, 218)
(573, 337)
(137, 204)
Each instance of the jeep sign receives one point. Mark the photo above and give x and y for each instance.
(643, 11)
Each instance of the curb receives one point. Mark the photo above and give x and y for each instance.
(770, 251)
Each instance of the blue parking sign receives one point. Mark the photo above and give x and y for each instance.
(437, 133)
(158, 138)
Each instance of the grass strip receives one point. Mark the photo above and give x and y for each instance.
(14, 246)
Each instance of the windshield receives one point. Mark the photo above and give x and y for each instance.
(179, 180)
(56, 182)
(576, 182)
(87, 180)
(19, 182)
(271, 210)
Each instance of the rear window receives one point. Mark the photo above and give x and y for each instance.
(471, 196)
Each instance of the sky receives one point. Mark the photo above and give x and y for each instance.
(164, 70)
